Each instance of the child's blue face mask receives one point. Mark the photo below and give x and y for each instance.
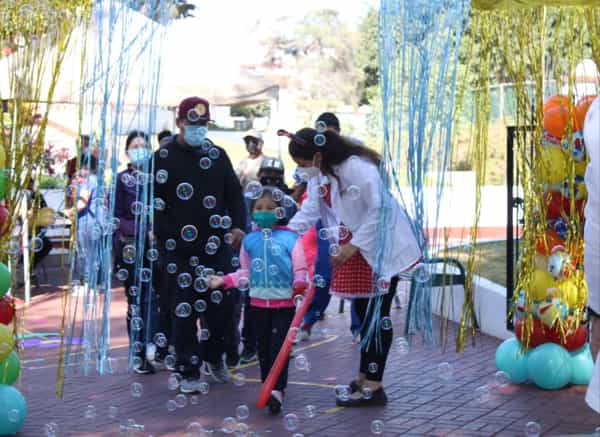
(264, 219)
(139, 156)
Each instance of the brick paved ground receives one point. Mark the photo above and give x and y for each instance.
(421, 404)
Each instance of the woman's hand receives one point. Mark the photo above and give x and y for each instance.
(238, 235)
(346, 252)
(216, 282)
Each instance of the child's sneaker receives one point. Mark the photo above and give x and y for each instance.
(190, 385)
(217, 372)
(248, 357)
(275, 402)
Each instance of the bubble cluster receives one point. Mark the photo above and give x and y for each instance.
(242, 412)
(377, 427)
(290, 421)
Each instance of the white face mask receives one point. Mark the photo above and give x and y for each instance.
(307, 173)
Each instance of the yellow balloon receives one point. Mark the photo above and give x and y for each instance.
(541, 261)
(580, 168)
(553, 164)
(45, 217)
(549, 311)
(541, 285)
(7, 342)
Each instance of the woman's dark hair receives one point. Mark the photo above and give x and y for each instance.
(268, 192)
(133, 135)
(336, 149)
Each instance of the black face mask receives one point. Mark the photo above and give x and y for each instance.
(273, 181)
(252, 147)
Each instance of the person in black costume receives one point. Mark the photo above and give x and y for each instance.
(199, 218)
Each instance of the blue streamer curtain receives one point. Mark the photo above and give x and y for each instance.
(120, 52)
(419, 41)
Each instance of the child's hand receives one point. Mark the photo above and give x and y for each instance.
(299, 288)
(216, 282)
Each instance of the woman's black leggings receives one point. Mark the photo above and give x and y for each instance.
(374, 357)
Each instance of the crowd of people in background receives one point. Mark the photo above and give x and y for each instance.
(232, 251)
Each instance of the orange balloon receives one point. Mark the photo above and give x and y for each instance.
(556, 101)
(581, 109)
(555, 121)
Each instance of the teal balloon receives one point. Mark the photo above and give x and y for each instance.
(5, 279)
(512, 359)
(583, 366)
(3, 182)
(13, 410)
(550, 366)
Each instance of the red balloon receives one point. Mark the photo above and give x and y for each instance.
(538, 336)
(7, 310)
(560, 206)
(547, 242)
(572, 342)
(4, 221)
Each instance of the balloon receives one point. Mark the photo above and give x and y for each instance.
(13, 410)
(553, 165)
(7, 310)
(581, 109)
(3, 181)
(2, 157)
(583, 366)
(512, 359)
(549, 242)
(550, 311)
(573, 291)
(550, 366)
(556, 101)
(537, 337)
(577, 339)
(10, 369)
(555, 121)
(45, 217)
(541, 283)
(580, 168)
(7, 342)
(4, 279)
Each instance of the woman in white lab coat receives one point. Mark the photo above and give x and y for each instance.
(591, 234)
(372, 241)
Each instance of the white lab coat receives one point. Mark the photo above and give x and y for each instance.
(380, 227)
(591, 135)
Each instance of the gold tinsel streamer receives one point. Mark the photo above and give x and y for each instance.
(34, 37)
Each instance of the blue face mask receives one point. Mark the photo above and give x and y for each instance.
(264, 219)
(195, 135)
(139, 156)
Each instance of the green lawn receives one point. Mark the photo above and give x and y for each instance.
(490, 260)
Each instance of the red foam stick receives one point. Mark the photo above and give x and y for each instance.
(284, 352)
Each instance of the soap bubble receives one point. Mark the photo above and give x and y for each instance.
(215, 221)
(193, 261)
(242, 412)
(421, 273)
(200, 285)
(189, 233)
(37, 244)
(290, 421)
(324, 234)
(194, 429)
(322, 190)
(320, 140)
(200, 306)
(267, 233)
(277, 195)
(184, 280)
(137, 207)
(254, 190)
(90, 412)
(160, 339)
(226, 222)
(204, 334)
(159, 204)
(482, 394)
(161, 176)
(386, 323)
(122, 274)
(241, 430)
(280, 213)
(205, 163)
(372, 367)
(319, 281)
(235, 262)
(214, 153)
(171, 405)
(367, 393)
(216, 297)
(320, 126)
(174, 381)
(209, 202)
(152, 255)
(445, 371)
(133, 290)
(51, 429)
(194, 400)
(146, 274)
(502, 378)
(238, 379)
(353, 192)
(228, 238)
(342, 392)
(273, 270)
(310, 411)
(137, 390)
(183, 310)
(170, 244)
(383, 285)
(533, 429)
(403, 345)
(185, 191)
(13, 415)
(377, 427)
(335, 250)
(172, 268)
(137, 324)
(204, 388)
(257, 265)
(298, 300)
(301, 362)
(170, 361)
(129, 254)
(228, 425)
(163, 153)
(181, 400)
(243, 284)
(211, 248)
(293, 334)
(112, 412)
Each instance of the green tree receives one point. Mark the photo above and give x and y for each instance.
(368, 57)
